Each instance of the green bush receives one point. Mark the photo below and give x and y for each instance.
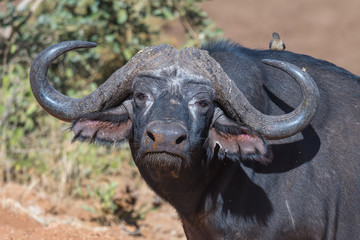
(33, 145)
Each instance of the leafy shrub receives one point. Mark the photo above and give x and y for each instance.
(33, 145)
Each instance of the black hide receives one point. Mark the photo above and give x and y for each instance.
(221, 176)
(310, 190)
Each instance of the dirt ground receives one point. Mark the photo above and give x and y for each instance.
(27, 213)
(326, 29)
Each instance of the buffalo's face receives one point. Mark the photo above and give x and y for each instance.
(172, 115)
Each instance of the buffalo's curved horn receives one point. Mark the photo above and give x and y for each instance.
(112, 92)
(273, 127)
(55, 103)
(236, 106)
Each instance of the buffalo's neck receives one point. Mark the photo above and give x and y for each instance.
(184, 192)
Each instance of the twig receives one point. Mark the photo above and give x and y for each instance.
(187, 26)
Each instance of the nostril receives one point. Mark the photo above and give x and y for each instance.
(151, 136)
(180, 139)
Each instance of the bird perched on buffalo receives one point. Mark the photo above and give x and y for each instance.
(276, 42)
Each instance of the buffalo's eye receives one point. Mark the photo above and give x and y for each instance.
(140, 96)
(203, 103)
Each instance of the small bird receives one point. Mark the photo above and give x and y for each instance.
(276, 43)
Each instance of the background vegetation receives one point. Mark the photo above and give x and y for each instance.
(35, 148)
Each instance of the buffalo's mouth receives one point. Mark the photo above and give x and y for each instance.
(164, 162)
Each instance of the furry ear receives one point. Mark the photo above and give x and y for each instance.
(236, 142)
(111, 126)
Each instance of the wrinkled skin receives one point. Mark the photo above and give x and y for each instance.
(157, 97)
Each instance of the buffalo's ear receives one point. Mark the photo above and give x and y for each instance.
(235, 141)
(110, 126)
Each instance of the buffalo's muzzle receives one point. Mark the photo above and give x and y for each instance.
(163, 136)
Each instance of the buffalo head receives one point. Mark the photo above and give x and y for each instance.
(174, 106)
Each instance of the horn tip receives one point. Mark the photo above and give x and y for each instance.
(92, 44)
(272, 62)
(86, 44)
(76, 44)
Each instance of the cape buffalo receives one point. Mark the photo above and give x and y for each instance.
(240, 149)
